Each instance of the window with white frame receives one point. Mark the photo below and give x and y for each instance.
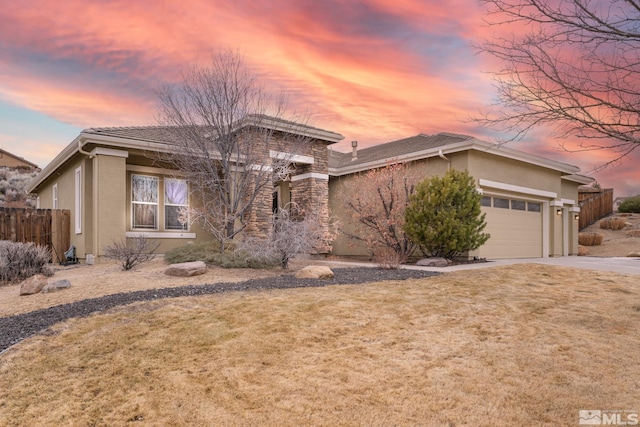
(78, 200)
(55, 196)
(144, 202)
(176, 202)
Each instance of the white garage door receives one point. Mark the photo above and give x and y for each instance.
(515, 227)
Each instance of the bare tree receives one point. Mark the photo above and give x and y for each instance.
(571, 65)
(230, 141)
(376, 202)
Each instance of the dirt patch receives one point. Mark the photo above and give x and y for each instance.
(616, 243)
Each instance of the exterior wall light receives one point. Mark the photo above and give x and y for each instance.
(559, 212)
(576, 217)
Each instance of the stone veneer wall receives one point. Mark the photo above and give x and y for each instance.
(310, 193)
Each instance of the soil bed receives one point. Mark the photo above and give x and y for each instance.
(18, 327)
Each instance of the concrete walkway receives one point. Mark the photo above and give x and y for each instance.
(622, 265)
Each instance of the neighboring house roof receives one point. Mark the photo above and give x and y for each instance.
(424, 146)
(20, 161)
(159, 138)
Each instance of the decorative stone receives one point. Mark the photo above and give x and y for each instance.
(315, 272)
(433, 262)
(58, 285)
(33, 285)
(186, 269)
(633, 254)
(582, 250)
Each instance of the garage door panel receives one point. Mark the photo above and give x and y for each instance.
(514, 234)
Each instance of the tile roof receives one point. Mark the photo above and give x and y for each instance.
(394, 149)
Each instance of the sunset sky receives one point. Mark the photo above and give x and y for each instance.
(372, 70)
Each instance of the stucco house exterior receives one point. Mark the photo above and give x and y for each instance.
(116, 185)
(531, 202)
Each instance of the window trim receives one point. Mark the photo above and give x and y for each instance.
(165, 204)
(78, 199)
(55, 196)
(156, 204)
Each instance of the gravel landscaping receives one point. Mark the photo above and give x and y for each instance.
(18, 327)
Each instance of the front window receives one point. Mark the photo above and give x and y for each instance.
(144, 202)
(176, 201)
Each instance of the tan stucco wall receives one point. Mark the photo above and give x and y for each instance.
(65, 179)
(496, 168)
(109, 203)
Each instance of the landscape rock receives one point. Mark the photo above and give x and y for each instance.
(33, 285)
(186, 269)
(633, 254)
(582, 250)
(315, 272)
(58, 285)
(433, 262)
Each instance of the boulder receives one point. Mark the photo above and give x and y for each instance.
(433, 262)
(186, 269)
(633, 254)
(582, 250)
(33, 285)
(58, 285)
(315, 272)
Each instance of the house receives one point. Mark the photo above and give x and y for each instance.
(98, 177)
(530, 202)
(9, 160)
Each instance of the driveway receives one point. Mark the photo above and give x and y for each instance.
(622, 265)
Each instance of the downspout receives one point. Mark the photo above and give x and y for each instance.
(81, 151)
(445, 159)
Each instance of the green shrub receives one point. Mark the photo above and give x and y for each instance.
(613, 223)
(590, 239)
(444, 216)
(631, 205)
(19, 261)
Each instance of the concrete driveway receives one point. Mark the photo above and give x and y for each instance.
(622, 265)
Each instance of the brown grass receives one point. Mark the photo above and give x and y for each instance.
(613, 223)
(590, 239)
(517, 345)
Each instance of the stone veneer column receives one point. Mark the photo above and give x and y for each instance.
(260, 216)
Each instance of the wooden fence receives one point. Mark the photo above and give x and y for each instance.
(594, 205)
(44, 227)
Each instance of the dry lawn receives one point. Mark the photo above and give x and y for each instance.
(516, 345)
(108, 278)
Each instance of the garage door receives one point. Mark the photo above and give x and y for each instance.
(515, 227)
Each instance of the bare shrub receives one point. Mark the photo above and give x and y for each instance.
(613, 223)
(294, 232)
(19, 261)
(388, 259)
(133, 251)
(590, 239)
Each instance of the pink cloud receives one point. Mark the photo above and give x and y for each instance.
(374, 71)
